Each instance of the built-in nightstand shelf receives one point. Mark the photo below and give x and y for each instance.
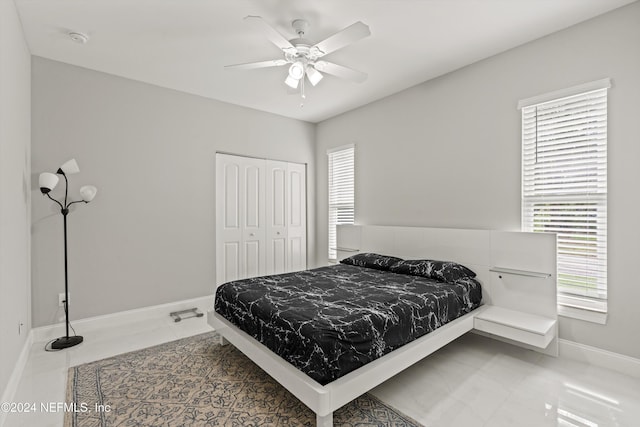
(527, 328)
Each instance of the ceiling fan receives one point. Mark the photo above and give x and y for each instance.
(304, 57)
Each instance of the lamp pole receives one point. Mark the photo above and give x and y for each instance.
(66, 274)
(66, 341)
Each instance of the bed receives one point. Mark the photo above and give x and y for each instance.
(330, 321)
(330, 334)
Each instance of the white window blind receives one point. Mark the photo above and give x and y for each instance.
(564, 190)
(341, 192)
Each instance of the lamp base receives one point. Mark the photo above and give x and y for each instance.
(66, 342)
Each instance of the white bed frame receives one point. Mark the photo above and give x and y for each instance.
(518, 276)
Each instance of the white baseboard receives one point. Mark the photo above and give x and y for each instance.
(156, 312)
(595, 356)
(12, 386)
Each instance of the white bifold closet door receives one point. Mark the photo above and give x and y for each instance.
(240, 218)
(260, 217)
(286, 217)
(296, 217)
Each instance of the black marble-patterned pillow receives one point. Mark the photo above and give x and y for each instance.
(371, 260)
(443, 271)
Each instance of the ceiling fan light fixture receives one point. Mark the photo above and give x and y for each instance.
(291, 82)
(296, 71)
(314, 75)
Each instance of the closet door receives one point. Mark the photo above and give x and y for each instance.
(277, 199)
(228, 219)
(240, 218)
(253, 219)
(296, 217)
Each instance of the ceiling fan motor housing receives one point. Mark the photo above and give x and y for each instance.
(303, 52)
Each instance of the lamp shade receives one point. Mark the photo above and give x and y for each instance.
(47, 182)
(291, 82)
(88, 192)
(296, 71)
(314, 75)
(69, 167)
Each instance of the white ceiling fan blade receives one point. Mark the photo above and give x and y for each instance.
(260, 64)
(341, 71)
(272, 34)
(343, 38)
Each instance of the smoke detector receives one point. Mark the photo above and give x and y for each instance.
(78, 37)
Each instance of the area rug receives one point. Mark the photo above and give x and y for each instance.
(197, 382)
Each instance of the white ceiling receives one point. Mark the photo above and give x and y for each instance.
(184, 44)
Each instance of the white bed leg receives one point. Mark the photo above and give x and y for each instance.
(324, 420)
(223, 341)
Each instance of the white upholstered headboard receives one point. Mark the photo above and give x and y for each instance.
(517, 270)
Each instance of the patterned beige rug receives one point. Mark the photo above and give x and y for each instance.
(197, 382)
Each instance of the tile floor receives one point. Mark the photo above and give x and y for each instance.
(474, 381)
(477, 381)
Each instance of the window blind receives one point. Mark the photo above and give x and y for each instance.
(564, 190)
(341, 192)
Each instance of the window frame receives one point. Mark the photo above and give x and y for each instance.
(350, 205)
(571, 305)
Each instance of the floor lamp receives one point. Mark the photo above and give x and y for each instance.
(47, 182)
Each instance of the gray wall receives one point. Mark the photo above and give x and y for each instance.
(148, 237)
(446, 153)
(15, 202)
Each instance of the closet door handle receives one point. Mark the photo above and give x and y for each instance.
(252, 234)
(278, 233)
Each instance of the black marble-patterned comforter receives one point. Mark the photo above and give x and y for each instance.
(332, 320)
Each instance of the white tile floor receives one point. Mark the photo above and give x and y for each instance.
(477, 381)
(474, 381)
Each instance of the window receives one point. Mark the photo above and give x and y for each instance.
(564, 187)
(341, 192)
